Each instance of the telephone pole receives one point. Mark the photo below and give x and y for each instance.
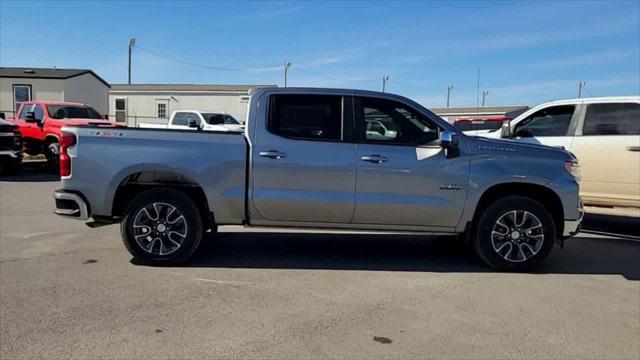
(385, 78)
(484, 95)
(132, 42)
(449, 88)
(287, 65)
(581, 86)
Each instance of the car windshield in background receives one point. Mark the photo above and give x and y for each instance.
(478, 125)
(72, 112)
(219, 119)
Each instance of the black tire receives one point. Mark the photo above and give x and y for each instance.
(150, 251)
(52, 153)
(487, 244)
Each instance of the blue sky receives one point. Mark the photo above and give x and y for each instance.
(527, 52)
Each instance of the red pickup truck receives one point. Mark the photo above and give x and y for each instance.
(41, 122)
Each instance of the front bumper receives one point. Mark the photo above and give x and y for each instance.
(70, 204)
(14, 154)
(572, 227)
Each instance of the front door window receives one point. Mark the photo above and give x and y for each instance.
(390, 122)
(552, 121)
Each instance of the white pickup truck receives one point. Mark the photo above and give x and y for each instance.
(198, 120)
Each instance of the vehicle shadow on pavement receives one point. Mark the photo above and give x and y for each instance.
(609, 224)
(31, 172)
(377, 252)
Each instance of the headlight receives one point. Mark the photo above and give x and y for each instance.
(572, 168)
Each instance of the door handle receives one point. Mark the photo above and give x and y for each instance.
(376, 159)
(273, 154)
(633, 148)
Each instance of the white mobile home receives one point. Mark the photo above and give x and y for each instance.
(153, 103)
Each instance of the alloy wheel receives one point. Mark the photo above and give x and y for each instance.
(517, 236)
(159, 228)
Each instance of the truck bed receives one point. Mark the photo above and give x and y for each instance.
(107, 158)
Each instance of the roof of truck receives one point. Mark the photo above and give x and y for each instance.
(54, 102)
(590, 100)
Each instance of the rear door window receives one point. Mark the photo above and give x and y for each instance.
(551, 121)
(59, 112)
(612, 119)
(182, 118)
(308, 117)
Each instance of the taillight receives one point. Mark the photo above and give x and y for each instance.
(66, 141)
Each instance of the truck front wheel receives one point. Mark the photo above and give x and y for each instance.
(162, 226)
(515, 233)
(52, 153)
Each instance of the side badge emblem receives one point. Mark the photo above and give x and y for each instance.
(450, 186)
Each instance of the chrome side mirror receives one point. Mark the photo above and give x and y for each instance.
(449, 140)
(30, 117)
(193, 123)
(505, 131)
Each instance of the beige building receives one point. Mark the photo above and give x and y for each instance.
(153, 103)
(50, 84)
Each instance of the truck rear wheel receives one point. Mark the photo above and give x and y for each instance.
(515, 233)
(162, 227)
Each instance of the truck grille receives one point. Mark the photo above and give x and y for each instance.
(7, 141)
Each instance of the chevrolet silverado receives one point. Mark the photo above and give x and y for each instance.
(310, 158)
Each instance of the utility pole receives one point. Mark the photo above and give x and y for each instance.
(484, 95)
(287, 65)
(449, 88)
(132, 41)
(385, 78)
(581, 86)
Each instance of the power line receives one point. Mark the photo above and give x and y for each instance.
(402, 83)
(588, 92)
(210, 67)
(331, 77)
(279, 68)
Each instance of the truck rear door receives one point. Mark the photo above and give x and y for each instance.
(607, 145)
(302, 168)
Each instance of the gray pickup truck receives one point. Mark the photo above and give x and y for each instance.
(322, 158)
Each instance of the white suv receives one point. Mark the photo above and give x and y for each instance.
(603, 133)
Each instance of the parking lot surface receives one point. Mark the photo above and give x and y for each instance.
(67, 291)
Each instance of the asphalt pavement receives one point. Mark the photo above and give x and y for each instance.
(68, 291)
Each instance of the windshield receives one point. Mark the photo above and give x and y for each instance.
(72, 112)
(492, 125)
(217, 119)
